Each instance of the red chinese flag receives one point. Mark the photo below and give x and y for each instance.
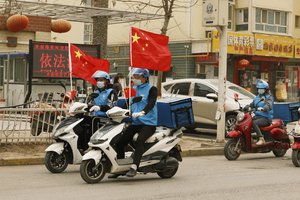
(149, 50)
(84, 65)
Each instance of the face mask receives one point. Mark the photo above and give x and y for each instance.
(100, 84)
(261, 91)
(137, 82)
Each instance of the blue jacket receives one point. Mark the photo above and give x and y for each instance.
(266, 104)
(101, 100)
(150, 118)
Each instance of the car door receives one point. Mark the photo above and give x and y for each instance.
(204, 109)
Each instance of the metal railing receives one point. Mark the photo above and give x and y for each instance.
(31, 122)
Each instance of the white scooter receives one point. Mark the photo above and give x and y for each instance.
(162, 153)
(65, 151)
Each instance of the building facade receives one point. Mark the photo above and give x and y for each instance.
(264, 32)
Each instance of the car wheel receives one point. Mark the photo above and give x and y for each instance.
(230, 123)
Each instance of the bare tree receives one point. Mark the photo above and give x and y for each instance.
(164, 7)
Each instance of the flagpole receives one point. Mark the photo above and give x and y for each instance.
(130, 53)
(70, 65)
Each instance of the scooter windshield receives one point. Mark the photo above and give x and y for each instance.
(66, 122)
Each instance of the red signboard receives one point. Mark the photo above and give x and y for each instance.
(51, 60)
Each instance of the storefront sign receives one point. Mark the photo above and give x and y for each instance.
(237, 43)
(51, 60)
(297, 48)
(277, 46)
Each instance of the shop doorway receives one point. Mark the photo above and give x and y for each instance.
(247, 77)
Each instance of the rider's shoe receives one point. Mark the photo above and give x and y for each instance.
(260, 141)
(131, 173)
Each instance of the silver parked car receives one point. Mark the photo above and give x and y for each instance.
(202, 92)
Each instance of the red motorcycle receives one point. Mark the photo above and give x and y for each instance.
(242, 138)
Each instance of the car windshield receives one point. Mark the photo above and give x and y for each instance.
(243, 93)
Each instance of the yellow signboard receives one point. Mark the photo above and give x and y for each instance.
(258, 44)
(237, 43)
(277, 46)
(297, 48)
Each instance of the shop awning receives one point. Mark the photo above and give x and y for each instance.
(75, 13)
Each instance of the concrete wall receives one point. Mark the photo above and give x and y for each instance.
(185, 25)
(284, 5)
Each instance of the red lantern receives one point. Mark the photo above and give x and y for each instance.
(244, 63)
(60, 26)
(17, 22)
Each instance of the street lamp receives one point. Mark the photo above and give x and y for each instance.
(186, 60)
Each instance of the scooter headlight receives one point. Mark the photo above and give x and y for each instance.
(240, 116)
(97, 138)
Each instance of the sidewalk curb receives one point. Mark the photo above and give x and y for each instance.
(40, 160)
(22, 161)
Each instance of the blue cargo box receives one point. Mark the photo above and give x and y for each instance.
(175, 112)
(286, 111)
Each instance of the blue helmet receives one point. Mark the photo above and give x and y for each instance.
(261, 84)
(101, 74)
(141, 72)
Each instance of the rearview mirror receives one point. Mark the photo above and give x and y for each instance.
(212, 96)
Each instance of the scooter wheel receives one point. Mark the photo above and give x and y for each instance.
(230, 151)
(279, 152)
(56, 163)
(90, 172)
(168, 173)
(296, 157)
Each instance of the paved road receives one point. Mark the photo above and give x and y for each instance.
(256, 176)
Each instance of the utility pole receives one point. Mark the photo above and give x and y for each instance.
(186, 60)
(221, 111)
(215, 14)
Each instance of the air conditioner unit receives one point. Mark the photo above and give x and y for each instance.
(214, 13)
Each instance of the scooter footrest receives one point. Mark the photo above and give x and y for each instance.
(125, 161)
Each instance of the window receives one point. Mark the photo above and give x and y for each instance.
(202, 90)
(242, 16)
(270, 21)
(297, 21)
(11, 69)
(88, 33)
(167, 87)
(241, 91)
(17, 69)
(181, 88)
(20, 69)
(230, 16)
